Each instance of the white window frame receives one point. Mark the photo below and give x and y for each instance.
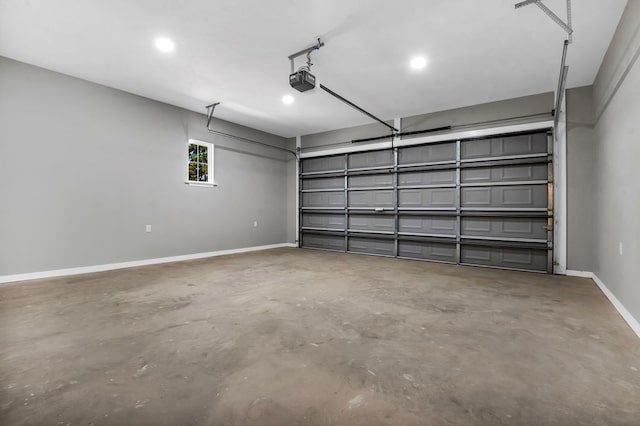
(210, 163)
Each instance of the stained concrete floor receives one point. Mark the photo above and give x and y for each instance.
(303, 337)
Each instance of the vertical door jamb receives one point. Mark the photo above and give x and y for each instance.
(298, 189)
(397, 123)
(346, 203)
(458, 202)
(560, 191)
(550, 200)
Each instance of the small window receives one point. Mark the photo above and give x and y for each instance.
(199, 163)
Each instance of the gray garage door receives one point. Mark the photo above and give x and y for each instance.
(486, 202)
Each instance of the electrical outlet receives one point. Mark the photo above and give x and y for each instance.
(148, 228)
(620, 247)
(255, 223)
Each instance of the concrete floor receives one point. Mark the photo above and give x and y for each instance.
(304, 337)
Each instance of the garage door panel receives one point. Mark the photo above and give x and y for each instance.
(371, 246)
(323, 183)
(427, 153)
(443, 252)
(526, 196)
(371, 199)
(329, 242)
(504, 227)
(478, 254)
(523, 144)
(327, 221)
(323, 164)
(475, 149)
(427, 198)
(489, 208)
(433, 177)
(504, 146)
(372, 223)
(517, 173)
(523, 172)
(370, 181)
(371, 159)
(505, 257)
(516, 196)
(436, 225)
(476, 197)
(323, 199)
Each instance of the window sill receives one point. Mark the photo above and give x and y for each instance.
(202, 184)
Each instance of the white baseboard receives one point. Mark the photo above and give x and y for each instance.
(633, 323)
(132, 264)
(581, 274)
(626, 315)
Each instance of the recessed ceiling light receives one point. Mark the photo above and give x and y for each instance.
(287, 99)
(164, 44)
(418, 62)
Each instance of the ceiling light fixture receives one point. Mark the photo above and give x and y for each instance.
(164, 44)
(287, 99)
(418, 62)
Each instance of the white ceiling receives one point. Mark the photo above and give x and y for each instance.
(235, 52)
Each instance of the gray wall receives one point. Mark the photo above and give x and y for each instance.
(496, 113)
(508, 111)
(344, 136)
(83, 169)
(580, 178)
(616, 170)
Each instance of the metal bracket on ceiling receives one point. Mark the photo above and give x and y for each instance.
(567, 26)
(564, 69)
(210, 109)
(307, 51)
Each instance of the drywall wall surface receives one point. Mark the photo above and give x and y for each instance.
(617, 155)
(620, 56)
(580, 179)
(344, 136)
(512, 111)
(84, 168)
